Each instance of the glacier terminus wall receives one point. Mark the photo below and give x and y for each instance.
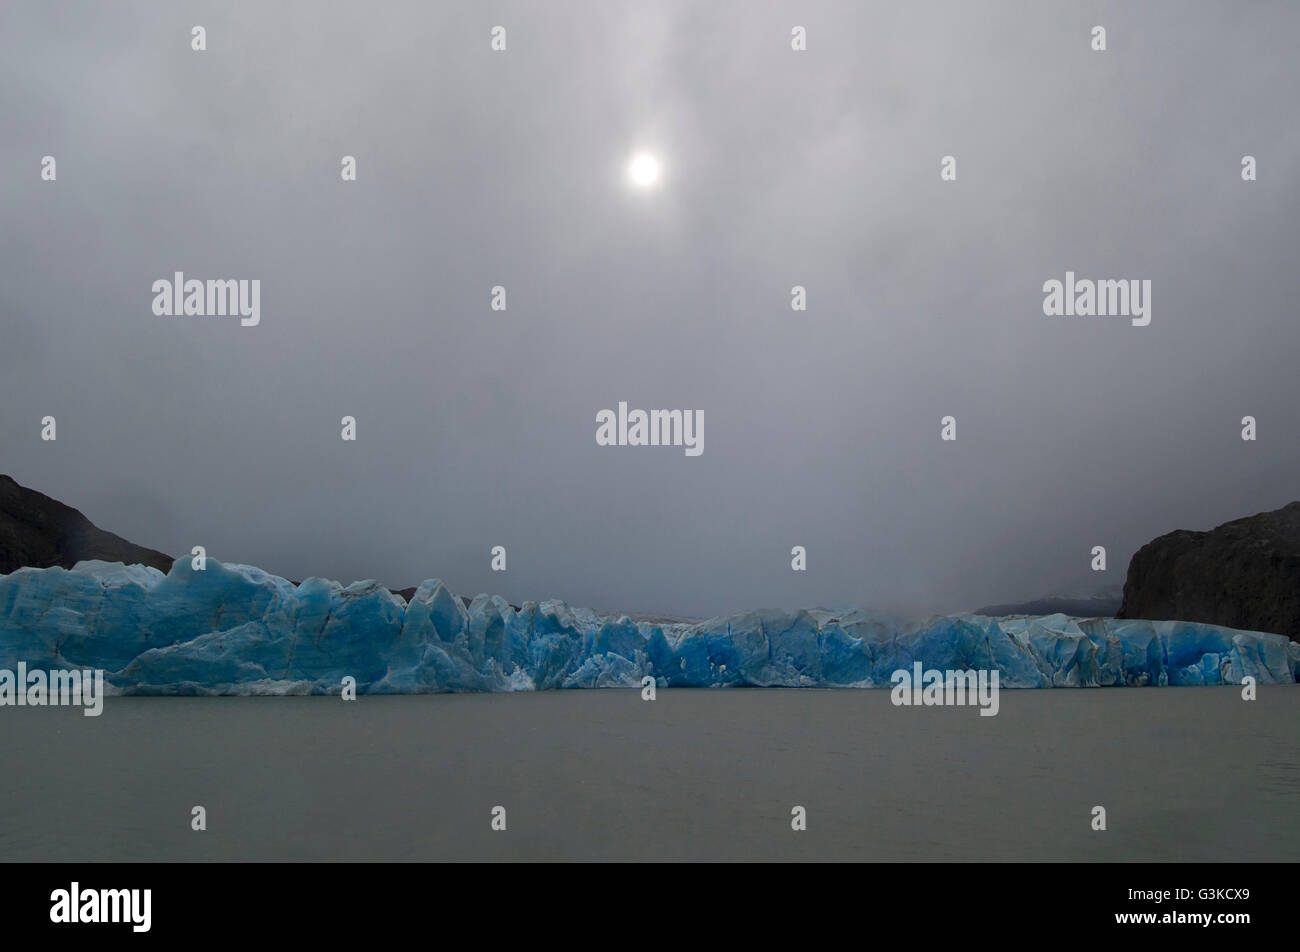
(235, 629)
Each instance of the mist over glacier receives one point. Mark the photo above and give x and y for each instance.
(235, 629)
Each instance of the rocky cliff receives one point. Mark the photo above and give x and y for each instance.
(1245, 574)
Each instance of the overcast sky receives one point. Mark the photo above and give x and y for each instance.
(820, 168)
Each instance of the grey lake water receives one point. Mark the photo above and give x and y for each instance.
(1183, 774)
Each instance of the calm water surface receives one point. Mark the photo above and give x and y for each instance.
(1184, 774)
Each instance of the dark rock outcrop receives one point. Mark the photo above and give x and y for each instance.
(41, 532)
(1245, 574)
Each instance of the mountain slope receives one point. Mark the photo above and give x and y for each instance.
(38, 531)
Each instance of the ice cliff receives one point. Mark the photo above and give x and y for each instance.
(234, 629)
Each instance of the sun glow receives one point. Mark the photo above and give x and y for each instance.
(643, 171)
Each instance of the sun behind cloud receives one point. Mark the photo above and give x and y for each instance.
(644, 170)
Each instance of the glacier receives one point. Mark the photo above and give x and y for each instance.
(235, 629)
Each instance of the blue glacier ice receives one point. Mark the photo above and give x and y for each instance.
(235, 629)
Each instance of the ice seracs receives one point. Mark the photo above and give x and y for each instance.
(235, 629)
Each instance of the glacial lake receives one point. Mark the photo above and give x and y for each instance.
(697, 774)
